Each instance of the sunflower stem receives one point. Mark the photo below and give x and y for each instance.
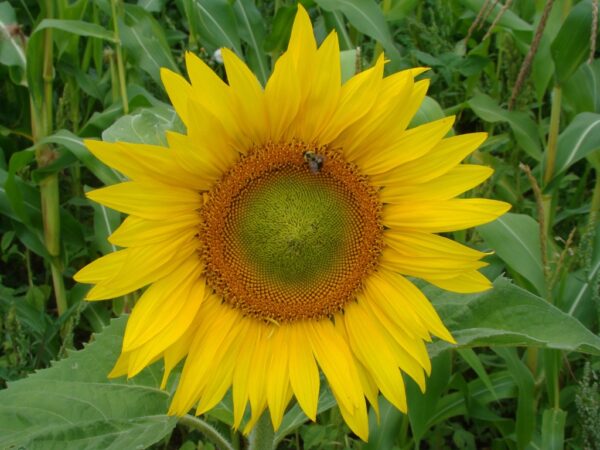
(119, 52)
(207, 430)
(262, 435)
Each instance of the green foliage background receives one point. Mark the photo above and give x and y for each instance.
(524, 373)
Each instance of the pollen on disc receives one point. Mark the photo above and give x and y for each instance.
(285, 242)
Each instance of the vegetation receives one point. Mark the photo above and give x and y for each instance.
(524, 374)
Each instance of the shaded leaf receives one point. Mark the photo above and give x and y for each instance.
(145, 42)
(145, 127)
(578, 140)
(571, 45)
(509, 316)
(251, 27)
(73, 404)
(516, 239)
(582, 90)
(521, 124)
(214, 22)
(78, 27)
(367, 18)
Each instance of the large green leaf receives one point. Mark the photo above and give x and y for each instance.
(74, 144)
(521, 124)
(509, 316)
(571, 46)
(144, 39)
(78, 27)
(508, 19)
(11, 50)
(147, 126)
(582, 90)
(516, 239)
(251, 27)
(214, 22)
(367, 18)
(578, 140)
(73, 405)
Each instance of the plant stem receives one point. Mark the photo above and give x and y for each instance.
(262, 435)
(553, 133)
(595, 206)
(120, 64)
(207, 430)
(42, 125)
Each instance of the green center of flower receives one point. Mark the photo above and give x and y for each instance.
(292, 228)
(285, 240)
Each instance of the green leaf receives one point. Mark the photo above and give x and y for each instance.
(509, 316)
(423, 404)
(516, 239)
(524, 128)
(383, 432)
(74, 144)
(578, 140)
(525, 417)
(296, 417)
(348, 64)
(78, 27)
(367, 18)
(145, 127)
(11, 50)
(508, 20)
(582, 90)
(571, 46)
(73, 404)
(589, 280)
(429, 111)
(214, 21)
(251, 27)
(553, 429)
(144, 39)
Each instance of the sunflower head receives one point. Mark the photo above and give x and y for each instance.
(275, 236)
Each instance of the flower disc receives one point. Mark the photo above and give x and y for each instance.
(284, 241)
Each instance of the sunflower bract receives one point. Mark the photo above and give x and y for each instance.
(263, 264)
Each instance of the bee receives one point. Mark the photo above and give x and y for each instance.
(314, 160)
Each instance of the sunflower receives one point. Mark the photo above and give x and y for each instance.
(276, 235)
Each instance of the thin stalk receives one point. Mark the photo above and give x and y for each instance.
(551, 154)
(262, 435)
(119, 52)
(553, 133)
(42, 125)
(385, 6)
(207, 430)
(595, 206)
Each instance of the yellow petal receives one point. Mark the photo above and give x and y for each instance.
(322, 95)
(304, 374)
(278, 378)
(142, 162)
(148, 200)
(282, 98)
(443, 216)
(145, 265)
(410, 145)
(336, 361)
(447, 154)
(357, 97)
(176, 352)
(465, 283)
(243, 367)
(302, 46)
(173, 299)
(250, 101)
(411, 298)
(179, 91)
(135, 231)
(103, 268)
(425, 267)
(374, 353)
(455, 182)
